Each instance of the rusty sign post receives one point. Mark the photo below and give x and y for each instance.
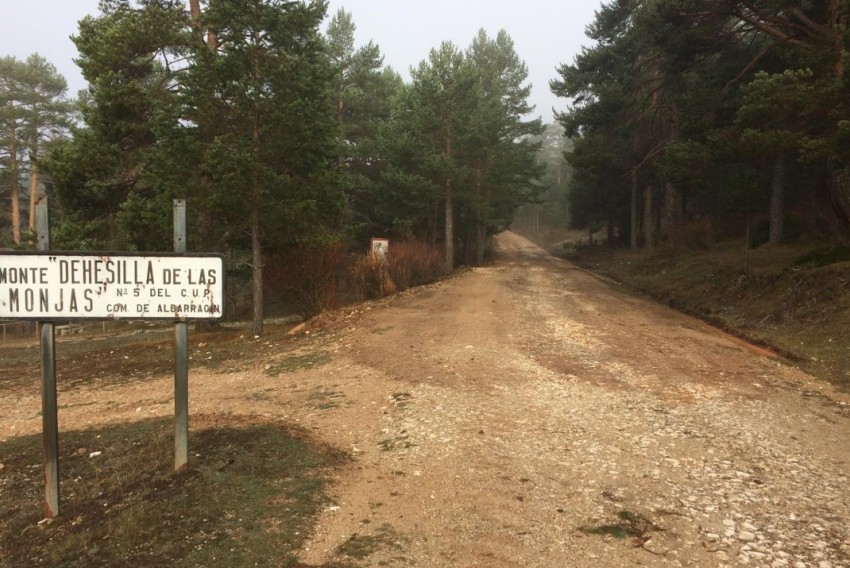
(49, 286)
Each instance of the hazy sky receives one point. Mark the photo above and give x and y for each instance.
(546, 33)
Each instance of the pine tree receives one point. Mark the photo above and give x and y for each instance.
(33, 111)
(273, 139)
(503, 140)
(442, 104)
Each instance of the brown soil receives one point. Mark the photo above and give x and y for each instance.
(793, 298)
(522, 414)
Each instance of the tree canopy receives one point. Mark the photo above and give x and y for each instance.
(280, 134)
(33, 111)
(707, 110)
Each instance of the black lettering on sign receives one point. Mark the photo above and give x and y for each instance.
(137, 278)
(171, 276)
(22, 275)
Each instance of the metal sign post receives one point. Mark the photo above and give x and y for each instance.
(181, 362)
(49, 406)
(49, 286)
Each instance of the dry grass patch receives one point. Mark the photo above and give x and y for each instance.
(249, 499)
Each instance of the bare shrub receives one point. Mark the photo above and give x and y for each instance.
(323, 277)
(310, 276)
(369, 278)
(414, 263)
(694, 235)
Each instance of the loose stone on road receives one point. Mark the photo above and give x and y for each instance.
(527, 414)
(530, 414)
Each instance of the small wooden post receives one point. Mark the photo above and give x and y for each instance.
(181, 366)
(49, 406)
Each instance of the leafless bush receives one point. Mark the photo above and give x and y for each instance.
(310, 276)
(321, 278)
(369, 278)
(414, 263)
(694, 235)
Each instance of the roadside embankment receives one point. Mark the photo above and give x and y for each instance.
(794, 300)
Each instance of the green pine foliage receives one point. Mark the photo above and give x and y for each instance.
(34, 112)
(726, 112)
(281, 136)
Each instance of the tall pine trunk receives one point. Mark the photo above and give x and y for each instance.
(648, 218)
(481, 242)
(256, 229)
(13, 177)
(450, 244)
(633, 206)
(195, 12)
(257, 271)
(33, 181)
(838, 181)
(777, 201)
(672, 202)
(450, 236)
(481, 220)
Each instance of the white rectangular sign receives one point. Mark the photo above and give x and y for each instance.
(61, 286)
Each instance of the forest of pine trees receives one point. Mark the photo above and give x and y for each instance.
(709, 119)
(685, 121)
(278, 135)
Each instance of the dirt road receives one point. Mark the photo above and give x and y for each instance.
(530, 414)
